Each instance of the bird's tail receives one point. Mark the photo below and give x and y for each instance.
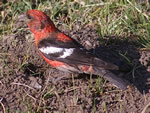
(112, 78)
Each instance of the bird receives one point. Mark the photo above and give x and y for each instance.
(66, 54)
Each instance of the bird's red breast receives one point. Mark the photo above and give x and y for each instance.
(51, 62)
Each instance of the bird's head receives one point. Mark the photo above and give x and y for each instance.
(39, 22)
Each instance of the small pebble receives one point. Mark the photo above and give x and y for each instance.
(34, 83)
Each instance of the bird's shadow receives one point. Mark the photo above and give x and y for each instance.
(125, 54)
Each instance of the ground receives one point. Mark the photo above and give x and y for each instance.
(111, 30)
(30, 86)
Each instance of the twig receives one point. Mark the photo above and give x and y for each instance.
(5, 54)
(14, 83)
(48, 79)
(1, 83)
(144, 49)
(2, 105)
(71, 89)
(30, 96)
(145, 108)
(98, 4)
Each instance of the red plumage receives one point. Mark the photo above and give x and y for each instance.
(64, 53)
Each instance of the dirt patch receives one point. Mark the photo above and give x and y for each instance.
(27, 81)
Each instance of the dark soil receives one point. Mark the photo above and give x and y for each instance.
(27, 81)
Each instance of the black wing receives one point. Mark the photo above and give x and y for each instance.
(79, 56)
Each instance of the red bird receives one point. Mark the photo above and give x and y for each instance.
(64, 53)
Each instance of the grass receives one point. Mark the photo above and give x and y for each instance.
(122, 18)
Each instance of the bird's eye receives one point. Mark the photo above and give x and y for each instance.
(29, 16)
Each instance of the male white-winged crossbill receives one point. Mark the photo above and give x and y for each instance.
(64, 53)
